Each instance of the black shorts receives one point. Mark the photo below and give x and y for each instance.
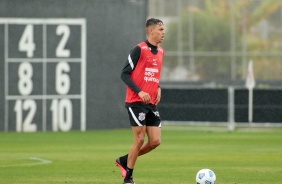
(141, 114)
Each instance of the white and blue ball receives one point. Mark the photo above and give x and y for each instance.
(205, 176)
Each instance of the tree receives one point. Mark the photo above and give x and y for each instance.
(212, 32)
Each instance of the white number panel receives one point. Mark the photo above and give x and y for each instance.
(45, 74)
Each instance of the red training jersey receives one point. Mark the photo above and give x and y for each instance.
(146, 74)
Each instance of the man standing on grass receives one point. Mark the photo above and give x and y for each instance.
(141, 75)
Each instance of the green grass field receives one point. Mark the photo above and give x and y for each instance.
(240, 157)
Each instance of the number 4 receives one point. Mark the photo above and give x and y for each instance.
(26, 43)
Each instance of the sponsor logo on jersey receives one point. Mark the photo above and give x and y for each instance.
(151, 70)
(155, 62)
(149, 75)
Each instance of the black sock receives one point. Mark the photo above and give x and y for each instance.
(129, 173)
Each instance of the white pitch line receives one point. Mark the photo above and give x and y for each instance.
(41, 161)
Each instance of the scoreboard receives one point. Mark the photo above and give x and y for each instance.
(44, 73)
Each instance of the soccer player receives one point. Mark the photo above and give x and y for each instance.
(141, 74)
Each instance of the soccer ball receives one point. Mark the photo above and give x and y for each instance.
(205, 176)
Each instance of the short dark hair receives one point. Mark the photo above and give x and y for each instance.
(153, 21)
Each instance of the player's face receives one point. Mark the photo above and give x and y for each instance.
(158, 33)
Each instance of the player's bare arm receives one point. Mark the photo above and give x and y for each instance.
(158, 97)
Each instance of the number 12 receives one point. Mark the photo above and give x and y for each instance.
(26, 125)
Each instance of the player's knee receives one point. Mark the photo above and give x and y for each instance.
(155, 143)
(139, 141)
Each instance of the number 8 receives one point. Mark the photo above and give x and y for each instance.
(25, 83)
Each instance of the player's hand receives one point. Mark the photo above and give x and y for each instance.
(158, 97)
(145, 97)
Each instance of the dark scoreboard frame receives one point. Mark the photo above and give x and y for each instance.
(44, 74)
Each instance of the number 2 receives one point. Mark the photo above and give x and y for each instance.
(60, 50)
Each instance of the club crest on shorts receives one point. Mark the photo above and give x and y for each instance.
(141, 116)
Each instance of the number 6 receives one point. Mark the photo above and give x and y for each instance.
(62, 79)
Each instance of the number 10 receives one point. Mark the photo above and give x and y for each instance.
(62, 114)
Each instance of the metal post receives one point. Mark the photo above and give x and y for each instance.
(250, 118)
(244, 43)
(231, 109)
(233, 42)
(179, 35)
(191, 41)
